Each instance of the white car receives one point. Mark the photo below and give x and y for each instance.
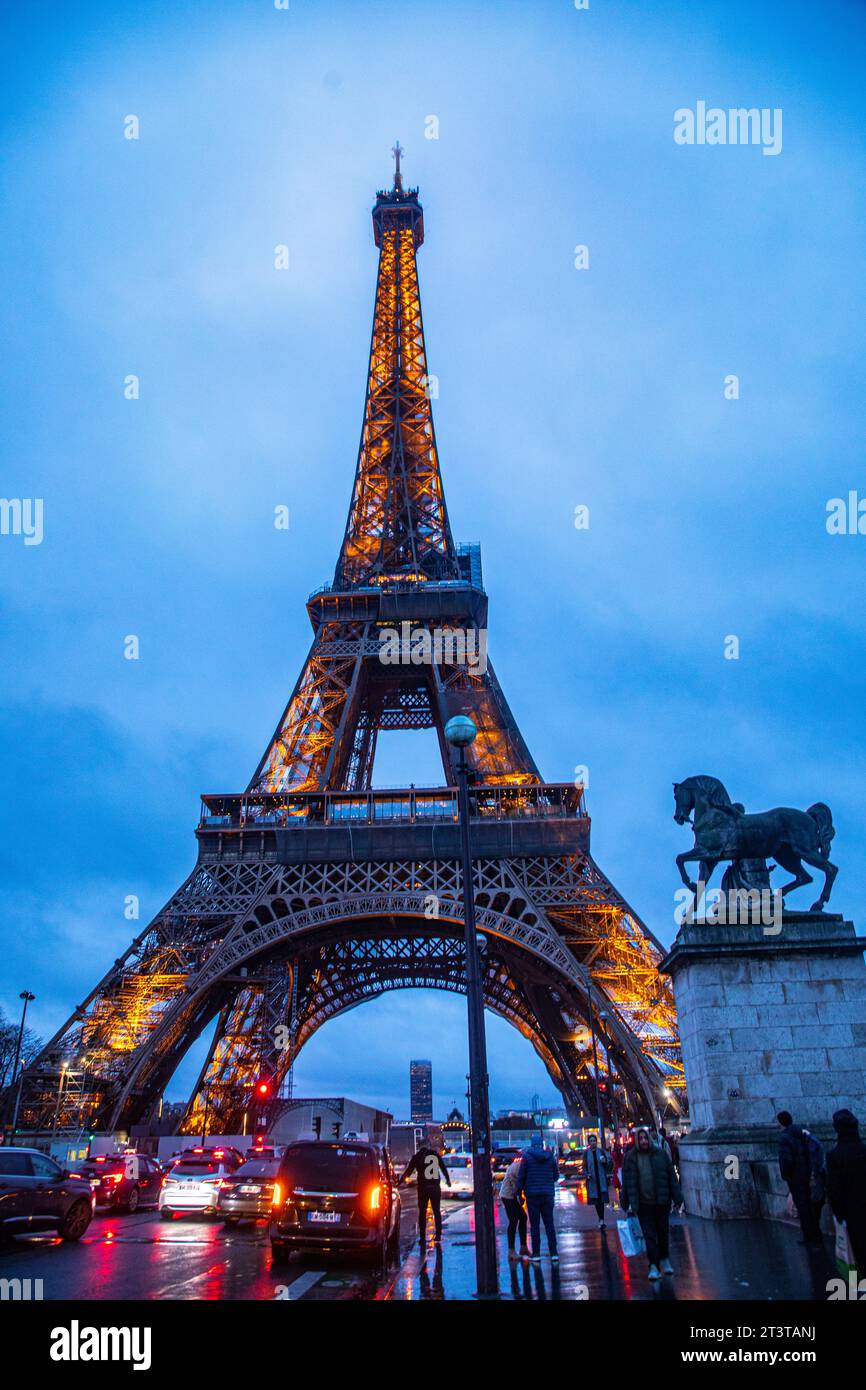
(192, 1185)
(460, 1171)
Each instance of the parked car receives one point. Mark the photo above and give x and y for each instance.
(460, 1171)
(247, 1193)
(501, 1161)
(36, 1194)
(123, 1182)
(219, 1153)
(192, 1185)
(335, 1196)
(264, 1151)
(571, 1165)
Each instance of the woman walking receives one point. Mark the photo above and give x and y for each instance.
(514, 1209)
(596, 1166)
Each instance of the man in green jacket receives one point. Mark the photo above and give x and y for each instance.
(649, 1186)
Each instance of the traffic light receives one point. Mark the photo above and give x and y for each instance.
(263, 1089)
(317, 1126)
(335, 1129)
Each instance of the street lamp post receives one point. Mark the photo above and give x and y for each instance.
(64, 1070)
(598, 1109)
(602, 1018)
(28, 999)
(460, 731)
(667, 1094)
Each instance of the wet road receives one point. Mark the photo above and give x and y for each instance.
(142, 1257)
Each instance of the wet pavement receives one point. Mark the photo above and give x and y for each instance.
(734, 1260)
(141, 1257)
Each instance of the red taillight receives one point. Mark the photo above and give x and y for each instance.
(115, 1177)
(376, 1197)
(277, 1197)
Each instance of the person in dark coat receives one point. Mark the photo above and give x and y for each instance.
(669, 1141)
(846, 1183)
(649, 1186)
(430, 1167)
(596, 1166)
(795, 1166)
(539, 1173)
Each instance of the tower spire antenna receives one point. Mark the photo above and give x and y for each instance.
(398, 152)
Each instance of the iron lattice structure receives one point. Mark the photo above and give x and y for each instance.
(313, 892)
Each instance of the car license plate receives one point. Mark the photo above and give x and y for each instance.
(331, 1217)
(248, 1191)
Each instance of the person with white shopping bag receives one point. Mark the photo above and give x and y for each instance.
(846, 1188)
(649, 1186)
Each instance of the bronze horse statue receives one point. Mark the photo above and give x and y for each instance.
(724, 831)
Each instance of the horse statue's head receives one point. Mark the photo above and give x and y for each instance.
(695, 790)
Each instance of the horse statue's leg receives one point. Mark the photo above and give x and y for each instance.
(705, 872)
(789, 859)
(682, 860)
(818, 861)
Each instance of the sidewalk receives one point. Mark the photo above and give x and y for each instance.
(713, 1260)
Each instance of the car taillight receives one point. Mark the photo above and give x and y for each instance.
(277, 1196)
(115, 1177)
(376, 1197)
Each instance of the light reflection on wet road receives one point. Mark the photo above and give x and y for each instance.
(142, 1257)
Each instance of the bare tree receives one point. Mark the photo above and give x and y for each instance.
(31, 1045)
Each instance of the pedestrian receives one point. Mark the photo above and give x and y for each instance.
(618, 1154)
(430, 1168)
(649, 1186)
(817, 1176)
(846, 1183)
(514, 1208)
(669, 1143)
(796, 1164)
(596, 1166)
(539, 1172)
(674, 1146)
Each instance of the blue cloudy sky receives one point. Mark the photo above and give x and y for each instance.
(558, 387)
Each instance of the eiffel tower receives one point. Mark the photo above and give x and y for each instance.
(313, 891)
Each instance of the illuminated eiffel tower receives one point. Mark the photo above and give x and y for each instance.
(313, 892)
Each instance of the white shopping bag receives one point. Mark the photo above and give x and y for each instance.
(631, 1236)
(844, 1253)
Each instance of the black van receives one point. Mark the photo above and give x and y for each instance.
(335, 1196)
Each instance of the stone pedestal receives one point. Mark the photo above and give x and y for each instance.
(768, 1022)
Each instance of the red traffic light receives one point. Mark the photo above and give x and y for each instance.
(263, 1088)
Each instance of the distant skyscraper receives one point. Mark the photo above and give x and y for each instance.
(421, 1091)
